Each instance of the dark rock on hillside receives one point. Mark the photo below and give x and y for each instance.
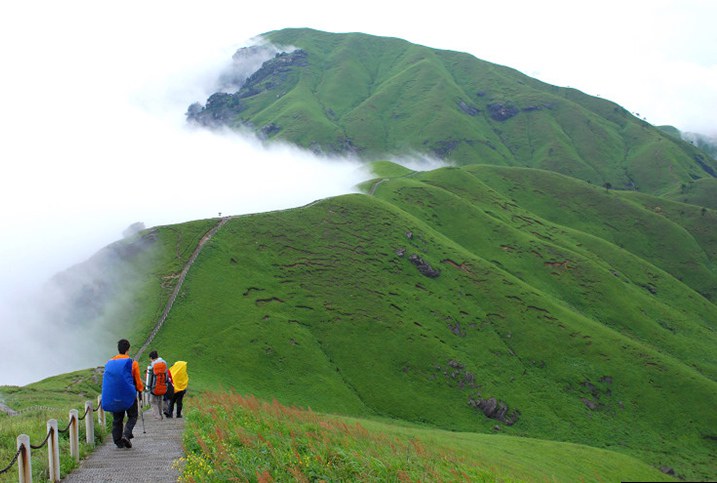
(424, 267)
(535, 108)
(705, 167)
(667, 470)
(495, 409)
(277, 67)
(591, 405)
(443, 148)
(468, 109)
(222, 108)
(458, 376)
(270, 129)
(502, 112)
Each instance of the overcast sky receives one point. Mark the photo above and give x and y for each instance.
(92, 134)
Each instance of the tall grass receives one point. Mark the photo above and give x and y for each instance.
(242, 438)
(36, 403)
(230, 437)
(34, 424)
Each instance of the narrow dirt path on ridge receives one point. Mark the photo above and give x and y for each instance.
(154, 453)
(207, 236)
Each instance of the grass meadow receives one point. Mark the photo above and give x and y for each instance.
(231, 437)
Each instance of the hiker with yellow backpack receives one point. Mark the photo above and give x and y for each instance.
(158, 380)
(180, 379)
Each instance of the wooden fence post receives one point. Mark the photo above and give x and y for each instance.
(74, 435)
(53, 451)
(101, 414)
(89, 424)
(24, 462)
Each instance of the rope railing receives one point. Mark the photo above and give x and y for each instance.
(12, 463)
(87, 410)
(23, 455)
(47, 438)
(67, 428)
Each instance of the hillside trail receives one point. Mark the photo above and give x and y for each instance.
(152, 458)
(153, 455)
(207, 236)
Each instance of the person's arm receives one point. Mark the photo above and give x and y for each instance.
(137, 378)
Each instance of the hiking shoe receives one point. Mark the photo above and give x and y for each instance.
(130, 436)
(126, 442)
(119, 444)
(168, 415)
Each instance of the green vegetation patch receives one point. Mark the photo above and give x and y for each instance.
(33, 405)
(244, 438)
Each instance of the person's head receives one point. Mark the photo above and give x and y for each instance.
(153, 355)
(123, 346)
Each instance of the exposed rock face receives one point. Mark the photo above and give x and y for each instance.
(456, 374)
(424, 267)
(502, 112)
(495, 409)
(274, 68)
(468, 109)
(707, 168)
(222, 108)
(667, 470)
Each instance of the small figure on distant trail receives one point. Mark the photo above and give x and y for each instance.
(180, 379)
(121, 384)
(158, 379)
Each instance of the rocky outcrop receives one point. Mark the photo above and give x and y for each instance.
(502, 112)
(424, 267)
(468, 109)
(494, 409)
(222, 108)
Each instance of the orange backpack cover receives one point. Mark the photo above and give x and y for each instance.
(160, 378)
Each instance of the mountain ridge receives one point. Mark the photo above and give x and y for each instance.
(378, 95)
(536, 301)
(447, 300)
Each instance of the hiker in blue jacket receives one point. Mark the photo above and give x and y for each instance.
(122, 437)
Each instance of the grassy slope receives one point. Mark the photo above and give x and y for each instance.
(702, 192)
(242, 437)
(320, 307)
(314, 307)
(51, 398)
(384, 95)
(140, 281)
(644, 231)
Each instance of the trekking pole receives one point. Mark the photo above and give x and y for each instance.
(141, 412)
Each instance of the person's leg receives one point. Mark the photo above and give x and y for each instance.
(157, 407)
(179, 397)
(117, 419)
(170, 405)
(132, 414)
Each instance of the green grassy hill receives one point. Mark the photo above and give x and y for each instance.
(479, 299)
(376, 96)
(287, 443)
(440, 299)
(514, 308)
